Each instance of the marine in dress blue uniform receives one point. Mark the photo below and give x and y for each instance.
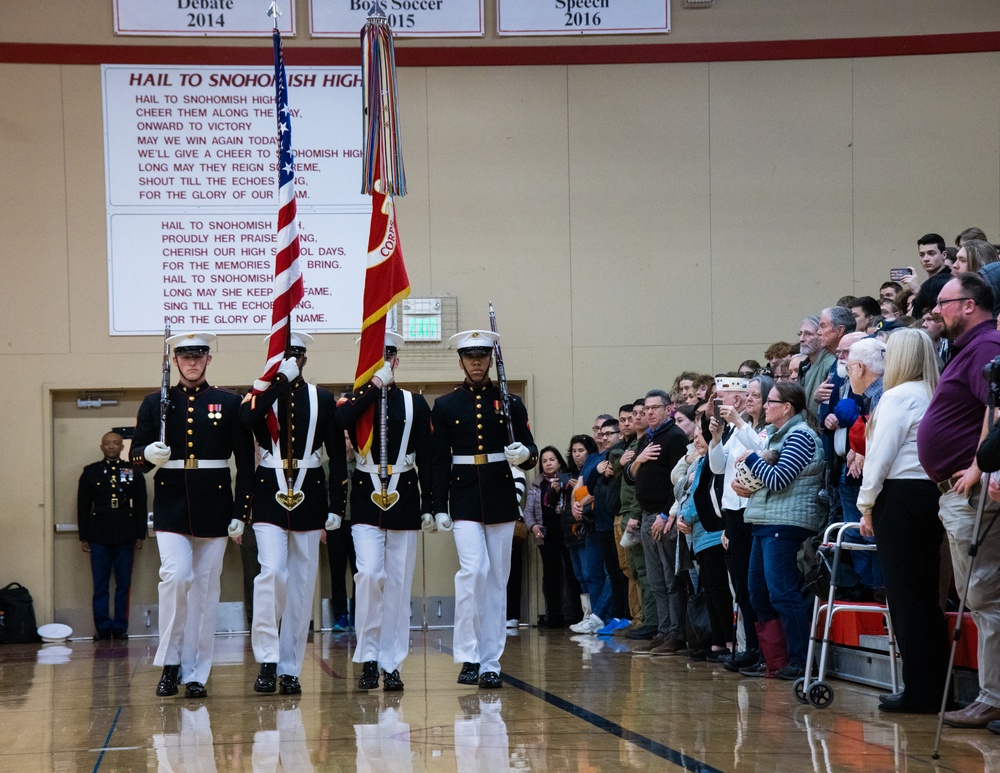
(474, 494)
(111, 515)
(194, 507)
(385, 531)
(290, 509)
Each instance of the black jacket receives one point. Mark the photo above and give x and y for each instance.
(312, 512)
(203, 423)
(111, 503)
(413, 486)
(470, 421)
(653, 490)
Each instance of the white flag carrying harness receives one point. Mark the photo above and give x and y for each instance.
(404, 461)
(292, 499)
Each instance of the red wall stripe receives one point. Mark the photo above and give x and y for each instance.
(493, 55)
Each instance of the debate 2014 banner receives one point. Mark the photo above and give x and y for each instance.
(191, 185)
(202, 18)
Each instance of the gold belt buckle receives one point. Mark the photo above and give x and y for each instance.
(479, 459)
(190, 464)
(388, 469)
(114, 503)
(290, 463)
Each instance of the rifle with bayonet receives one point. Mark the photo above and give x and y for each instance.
(165, 385)
(501, 378)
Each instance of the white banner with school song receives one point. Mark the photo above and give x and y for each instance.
(582, 17)
(407, 18)
(202, 18)
(191, 185)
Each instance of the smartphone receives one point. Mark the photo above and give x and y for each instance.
(717, 409)
(897, 274)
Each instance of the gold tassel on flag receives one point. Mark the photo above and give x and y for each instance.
(382, 155)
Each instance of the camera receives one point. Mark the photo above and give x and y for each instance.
(992, 371)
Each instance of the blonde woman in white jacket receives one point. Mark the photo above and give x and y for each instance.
(900, 503)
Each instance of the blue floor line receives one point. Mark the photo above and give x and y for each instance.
(601, 723)
(107, 741)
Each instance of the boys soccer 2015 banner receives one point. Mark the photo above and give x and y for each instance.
(582, 17)
(192, 182)
(407, 18)
(202, 18)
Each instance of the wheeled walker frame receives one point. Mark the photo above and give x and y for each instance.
(817, 691)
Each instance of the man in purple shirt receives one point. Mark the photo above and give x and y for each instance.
(947, 439)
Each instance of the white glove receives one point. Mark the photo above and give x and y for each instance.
(235, 528)
(384, 374)
(333, 522)
(289, 368)
(427, 523)
(443, 522)
(157, 453)
(516, 453)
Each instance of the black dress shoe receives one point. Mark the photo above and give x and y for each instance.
(369, 675)
(120, 634)
(266, 678)
(739, 660)
(103, 635)
(391, 681)
(290, 685)
(490, 680)
(903, 706)
(890, 697)
(644, 633)
(469, 674)
(195, 690)
(168, 682)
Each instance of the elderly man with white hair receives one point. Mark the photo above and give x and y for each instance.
(865, 365)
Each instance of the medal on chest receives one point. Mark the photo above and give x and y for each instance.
(215, 410)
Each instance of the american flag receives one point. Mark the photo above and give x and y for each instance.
(288, 287)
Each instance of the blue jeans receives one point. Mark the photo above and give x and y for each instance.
(775, 583)
(582, 568)
(600, 586)
(105, 559)
(866, 563)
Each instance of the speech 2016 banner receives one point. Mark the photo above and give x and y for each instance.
(582, 17)
(202, 18)
(407, 18)
(191, 184)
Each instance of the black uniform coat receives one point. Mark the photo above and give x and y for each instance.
(413, 486)
(111, 503)
(312, 512)
(470, 421)
(200, 502)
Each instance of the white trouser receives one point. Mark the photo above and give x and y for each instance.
(382, 593)
(283, 592)
(384, 746)
(481, 741)
(190, 572)
(191, 749)
(283, 748)
(481, 592)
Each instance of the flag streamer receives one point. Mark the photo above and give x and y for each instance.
(382, 159)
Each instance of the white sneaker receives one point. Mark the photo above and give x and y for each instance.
(592, 624)
(513, 622)
(579, 627)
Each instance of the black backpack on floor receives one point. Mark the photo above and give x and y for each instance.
(17, 615)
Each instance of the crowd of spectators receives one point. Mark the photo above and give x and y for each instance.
(650, 524)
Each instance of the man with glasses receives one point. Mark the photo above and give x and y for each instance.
(816, 361)
(947, 440)
(659, 450)
(474, 494)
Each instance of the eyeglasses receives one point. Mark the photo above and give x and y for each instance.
(769, 400)
(950, 300)
(609, 433)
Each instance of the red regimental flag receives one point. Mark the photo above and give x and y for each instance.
(386, 284)
(288, 287)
